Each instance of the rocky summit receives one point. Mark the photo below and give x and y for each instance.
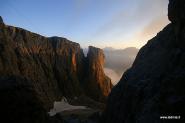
(53, 66)
(96, 76)
(154, 85)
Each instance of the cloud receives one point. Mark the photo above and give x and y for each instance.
(130, 22)
(117, 61)
(113, 75)
(154, 26)
(149, 31)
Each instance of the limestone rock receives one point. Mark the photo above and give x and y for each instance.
(55, 65)
(98, 85)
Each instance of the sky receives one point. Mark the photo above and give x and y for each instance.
(101, 23)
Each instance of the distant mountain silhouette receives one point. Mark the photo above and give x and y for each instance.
(119, 60)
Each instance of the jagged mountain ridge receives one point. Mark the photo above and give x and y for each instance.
(120, 59)
(154, 85)
(54, 66)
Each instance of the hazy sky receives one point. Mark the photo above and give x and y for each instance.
(102, 23)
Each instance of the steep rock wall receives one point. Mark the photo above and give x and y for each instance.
(98, 85)
(154, 85)
(55, 66)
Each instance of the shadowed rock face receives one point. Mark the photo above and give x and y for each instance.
(1, 20)
(154, 85)
(55, 65)
(19, 103)
(176, 10)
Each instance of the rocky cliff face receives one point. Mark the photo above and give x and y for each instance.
(55, 66)
(154, 85)
(96, 76)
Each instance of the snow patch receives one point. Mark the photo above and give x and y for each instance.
(63, 105)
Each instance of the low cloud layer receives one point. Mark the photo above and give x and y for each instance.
(115, 77)
(118, 61)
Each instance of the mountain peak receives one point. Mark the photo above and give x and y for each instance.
(108, 49)
(96, 75)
